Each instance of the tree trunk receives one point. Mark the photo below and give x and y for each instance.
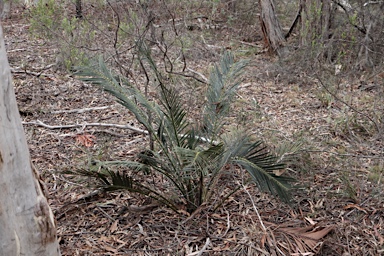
(5, 9)
(79, 9)
(315, 21)
(273, 35)
(27, 225)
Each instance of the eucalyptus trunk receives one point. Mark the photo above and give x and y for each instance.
(5, 9)
(272, 32)
(27, 225)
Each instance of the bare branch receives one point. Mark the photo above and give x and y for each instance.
(68, 126)
(80, 110)
(120, 126)
(348, 105)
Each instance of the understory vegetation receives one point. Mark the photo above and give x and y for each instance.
(207, 120)
(190, 157)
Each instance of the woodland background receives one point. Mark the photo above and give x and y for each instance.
(312, 91)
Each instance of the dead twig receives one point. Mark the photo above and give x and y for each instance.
(69, 126)
(344, 155)
(255, 208)
(205, 80)
(120, 126)
(198, 253)
(37, 74)
(80, 110)
(349, 105)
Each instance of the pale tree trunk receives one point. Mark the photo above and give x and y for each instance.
(273, 35)
(5, 9)
(315, 31)
(315, 21)
(27, 225)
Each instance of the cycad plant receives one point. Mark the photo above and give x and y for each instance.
(189, 160)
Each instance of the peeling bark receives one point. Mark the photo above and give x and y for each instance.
(272, 32)
(27, 226)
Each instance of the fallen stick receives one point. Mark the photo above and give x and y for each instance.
(68, 126)
(120, 126)
(80, 110)
(27, 72)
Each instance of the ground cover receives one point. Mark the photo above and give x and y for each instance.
(338, 165)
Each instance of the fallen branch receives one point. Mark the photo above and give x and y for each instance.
(69, 126)
(249, 44)
(205, 80)
(120, 126)
(92, 132)
(198, 253)
(80, 110)
(343, 155)
(17, 50)
(349, 105)
(37, 74)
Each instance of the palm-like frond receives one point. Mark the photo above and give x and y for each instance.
(189, 163)
(259, 162)
(175, 122)
(201, 161)
(267, 181)
(200, 166)
(258, 153)
(115, 180)
(223, 83)
(169, 116)
(126, 94)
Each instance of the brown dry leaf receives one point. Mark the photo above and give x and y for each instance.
(311, 221)
(114, 226)
(109, 248)
(279, 172)
(301, 246)
(356, 207)
(307, 238)
(86, 140)
(103, 239)
(263, 239)
(377, 233)
(317, 235)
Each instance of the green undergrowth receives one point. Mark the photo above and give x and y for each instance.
(190, 160)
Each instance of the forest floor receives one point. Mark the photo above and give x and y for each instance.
(339, 165)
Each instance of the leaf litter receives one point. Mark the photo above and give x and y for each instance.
(324, 221)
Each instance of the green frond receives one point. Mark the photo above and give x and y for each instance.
(259, 162)
(258, 154)
(205, 161)
(199, 171)
(145, 54)
(191, 164)
(120, 181)
(223, 83)
(235, 144)
(267, 181)
(131, 165)
(190, 139)
(286, 151)
(114, 180)
(175, 122)
(120, 88)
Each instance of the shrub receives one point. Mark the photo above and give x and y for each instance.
(72, 36)
(191, 160)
